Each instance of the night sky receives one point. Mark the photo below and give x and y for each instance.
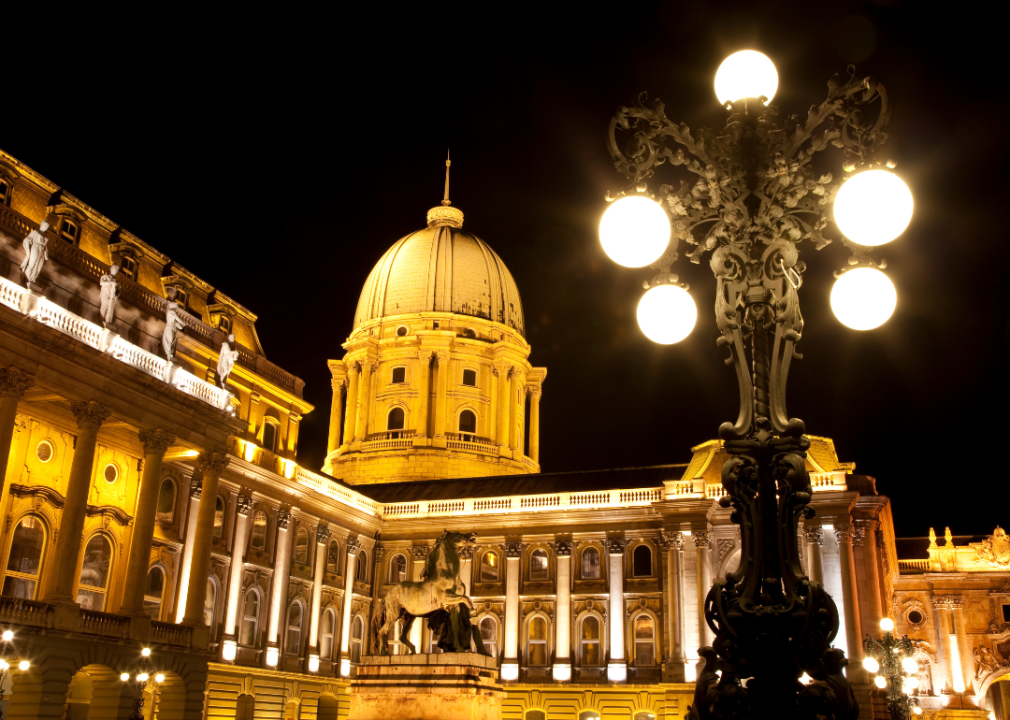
(278, 157)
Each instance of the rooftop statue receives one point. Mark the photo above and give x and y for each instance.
(226, 361)
(173, 324)
(36, 253)
(110, 295)
(439, 596)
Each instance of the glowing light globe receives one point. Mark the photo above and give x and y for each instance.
(917, 710)
(8, 635)
(909, 665)
(909, 684)
(667, 314)
(746, 74)
(871, 664)
(862, 299)
(634, 231)
(124, 677)
(880, 682)
(887, 624)
(24, 665)
(873, 207)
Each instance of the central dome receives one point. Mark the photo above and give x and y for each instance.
(441, 269)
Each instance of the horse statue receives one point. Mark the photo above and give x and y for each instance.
(440, 589)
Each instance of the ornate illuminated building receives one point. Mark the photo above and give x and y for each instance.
(146, 506)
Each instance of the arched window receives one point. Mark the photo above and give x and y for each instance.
(489, 565)
(644, 715)
(467, 425)
(644, 629)
(154, 592)
(589, 715)
(326, 624)
(538, 565)
(397, 569)
(590, 646)
(537, 654)
(302, 546)
(394, 421)
(94, 580)
(590, 563)
(293, 636)
(642, 561)
(209, 604)
(250, 618)
(244, 708)
(270, 429)
(535, 715)
(259, 531)
(333, 557)
(219, 517)
(25, 559)
(361, 567)
(166, 500)
(357, 638)
(489, 634)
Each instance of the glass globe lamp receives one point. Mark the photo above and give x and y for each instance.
(634, 231)
(871, 664)
(863, 299)
(887, 624)
(667, 314)
(909, 665)
(746, 74)
(873, 207)
(880, 681)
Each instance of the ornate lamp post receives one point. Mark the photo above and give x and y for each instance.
(890, 659)
(138, 674)
(754, 198)
(10, 658)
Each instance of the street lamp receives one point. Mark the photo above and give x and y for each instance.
(10, 658)
(753, 198)
(890, 661)
(140, 674)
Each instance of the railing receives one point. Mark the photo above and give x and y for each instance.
(170, 634)
(15, 611)
(388, 439)
(913, 565)
(49, 313)
(104, 624)
(326, 486)
(525, 503)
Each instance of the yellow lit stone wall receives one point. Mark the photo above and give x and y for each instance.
(662, 701)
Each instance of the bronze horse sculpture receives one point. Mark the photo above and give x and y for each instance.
(440, 589)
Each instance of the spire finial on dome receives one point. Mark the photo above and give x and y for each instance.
(445, 200)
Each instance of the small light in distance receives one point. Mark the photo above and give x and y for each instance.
(146, 652)
(8, 635)
(873, 207)
(159, 678)
(910, 665)
(871, 664)
(880, 682)
(124, 676)
(746, 74)
(634, 231)
(917, 710)
(143, 677)
(667, 314)
(24, 665)
(863, 299)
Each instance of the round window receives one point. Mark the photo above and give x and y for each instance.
(111, 473)
(915, 617)
(401, 331)
(44, 451)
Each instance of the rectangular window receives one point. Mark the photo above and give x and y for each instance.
(129, 267)
(400, 375)
(69, 231)
(1006, 613)
(5, 192)
(470, 378)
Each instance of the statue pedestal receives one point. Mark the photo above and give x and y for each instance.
(440, 686)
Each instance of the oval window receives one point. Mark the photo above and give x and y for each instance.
(915, 617)
(111, 473)
(44, 451)
(401, 331)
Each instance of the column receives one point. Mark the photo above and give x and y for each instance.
(866, 540)
(90, 416)
(13, 384)
(322, 536)
(279, 587)
(443, 382)
(515, 404)
(703, 548)
(813, 536)
(195, 493)
(155, 442)
(675, 608)
(234, 598)
(535, 393)
(364, 400)
(562, 671)
(943, 636)
(503, 370)
(336, 406)
(854, 649)
(351, 416)
(210, 466)
(617, 669)
(353, 544)
(962, 660)
(292, 440)
(423, 392)
(419, 553)
(510, 663)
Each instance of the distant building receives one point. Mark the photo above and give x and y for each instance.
(147, 507)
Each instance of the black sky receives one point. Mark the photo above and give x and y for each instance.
(278, 155)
